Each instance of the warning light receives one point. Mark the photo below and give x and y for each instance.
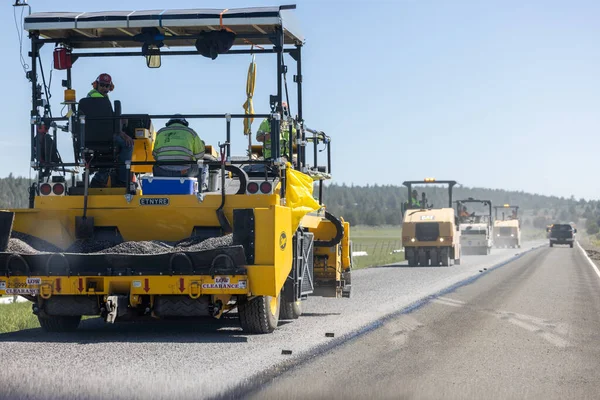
(429, 179)
(507, 205)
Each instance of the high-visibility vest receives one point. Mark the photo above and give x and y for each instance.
(415, 202)
(95, 93)
(284, 138)
(177, 142)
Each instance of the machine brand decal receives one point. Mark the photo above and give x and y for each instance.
(282, 241)
(34, 281)
(427, 218)
(161, 201)
(137, 284)
(2, 285)
(22, 291)
(224, 282)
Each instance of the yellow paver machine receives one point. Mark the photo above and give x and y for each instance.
(247, 233)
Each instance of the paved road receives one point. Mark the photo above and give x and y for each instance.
(530, 329)
(203, 360)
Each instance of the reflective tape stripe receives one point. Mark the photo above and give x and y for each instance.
(173, 148)
(173, 158)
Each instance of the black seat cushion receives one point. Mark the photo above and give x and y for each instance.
(99, 132)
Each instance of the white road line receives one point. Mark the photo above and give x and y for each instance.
(593, 264)
(446, 303)
(462, 303)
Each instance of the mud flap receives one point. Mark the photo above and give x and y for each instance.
(300, 282)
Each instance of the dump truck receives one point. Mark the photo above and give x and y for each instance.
(507, 227)
(430, 234)
(249, 234)
(475, 228)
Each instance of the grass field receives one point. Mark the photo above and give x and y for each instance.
(16, 317)
(379, 243)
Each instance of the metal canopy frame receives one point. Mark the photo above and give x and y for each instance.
(471, 200)
(496, 208)
(110, 33)
(450, 184)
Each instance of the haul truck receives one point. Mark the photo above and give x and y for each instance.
(430, 234)
(248, 234)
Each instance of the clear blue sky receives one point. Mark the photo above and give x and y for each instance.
(489, 93)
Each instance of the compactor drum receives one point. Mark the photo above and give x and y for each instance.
(430, 235)
(245, 235)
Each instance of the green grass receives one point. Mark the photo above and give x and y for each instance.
(378, 242)
(16, 317)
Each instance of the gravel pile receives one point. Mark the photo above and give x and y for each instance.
(31, 245)
(197, 244)
(88, 246)
(34, 242)
(141, 247)
(19, 246)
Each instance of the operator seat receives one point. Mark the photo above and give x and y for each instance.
(99, 132)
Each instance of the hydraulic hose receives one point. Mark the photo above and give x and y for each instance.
(339, 232)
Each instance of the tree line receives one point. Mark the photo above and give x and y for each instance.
(376, 205)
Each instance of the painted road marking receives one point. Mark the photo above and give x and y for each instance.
(593, 264)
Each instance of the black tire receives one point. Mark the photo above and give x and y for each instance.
(571, 245)
(435, 259)
(457, 261)
(290, 309)
(445, 257)
(51, 323)
(256, 315)
(412, 260)
(423, 261)
(551, 245)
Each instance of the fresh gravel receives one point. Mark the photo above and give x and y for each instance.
(19, 246)
(26, 244)
(18, 239)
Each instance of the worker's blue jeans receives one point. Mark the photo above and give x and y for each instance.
(124, 154)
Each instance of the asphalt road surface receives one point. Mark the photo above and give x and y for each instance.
(192, 360)
(528, 330)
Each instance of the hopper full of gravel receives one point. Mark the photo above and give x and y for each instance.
(26, 244)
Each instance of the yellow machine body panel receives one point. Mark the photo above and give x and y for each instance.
(444, 217)
(143, 144)
(53, 220)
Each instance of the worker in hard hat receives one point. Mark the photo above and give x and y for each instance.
(123, 142)
(464, 213)
(264, 134)
(414, 200)
(177, 142)
(101, 86)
